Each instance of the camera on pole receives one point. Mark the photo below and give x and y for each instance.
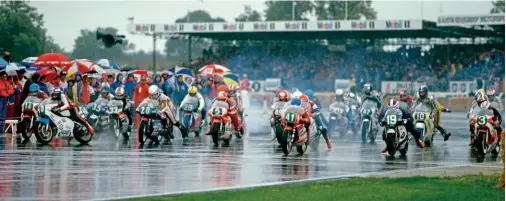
(110, 40)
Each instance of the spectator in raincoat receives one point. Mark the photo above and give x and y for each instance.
(70, 90)
(180, 91)
(63, 83)
(118, 81)
(42, 84)
(17, 102)
(130, 85)
(96, 88)
(158, 81)
(83, 91)
(6, 90)
(167, 86)
(26, 87)
(140, 93)
(11, 101)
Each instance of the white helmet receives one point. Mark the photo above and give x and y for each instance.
(351, 95)
(296, 94)
(154, 92)
(339, 92)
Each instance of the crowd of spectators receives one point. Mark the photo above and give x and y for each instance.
(311, 65)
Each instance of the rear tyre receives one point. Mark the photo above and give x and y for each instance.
(404, 150)
(279, 134)
(301, 149)
(81, 134)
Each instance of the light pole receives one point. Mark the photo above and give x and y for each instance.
(293, 10)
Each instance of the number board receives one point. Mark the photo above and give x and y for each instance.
(290, 117)
(391, 119)
(481, 120)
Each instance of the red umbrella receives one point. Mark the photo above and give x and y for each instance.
(51, 59)
(213, 69)
(82, 66)
(49, 73)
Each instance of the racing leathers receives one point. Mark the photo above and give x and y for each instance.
(406, 114)
(277, 105)
(497, 120)
(373, 96)
(496, 103)
(349, 115)
(430, 101)
(102, 99)
(199, 100)
(232, 113)
(315, 112)
(165, 106)
(304, 114)
(409, 100)
(64, 104)
(126, 107)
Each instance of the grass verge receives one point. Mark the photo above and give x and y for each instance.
(469, 187)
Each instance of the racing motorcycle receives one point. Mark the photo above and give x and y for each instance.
(51, 124)
(29, 115)
(338, 120)
(395, 134)
(151, 126)
(276, 123)
(83, 112)
(119, 119)
(369, 128)
(355, 116)
(423, 124)
(98, 117)
(220, 130)
(294, 133)
(485, 136)
(190, 119)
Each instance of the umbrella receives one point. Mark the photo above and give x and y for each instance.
(138, 72)
(181, 71)
(13, 68)
(52, 59)
(83, 66)
(213, 69)
(3, 63)
(230, 79)
(107, 64)
(49, 73)
(28, 62)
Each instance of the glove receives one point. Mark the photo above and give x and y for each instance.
(56, 110)
(177, 124)
(431, 116)
(381, 123)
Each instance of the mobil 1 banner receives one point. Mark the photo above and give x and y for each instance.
(271, 84)
(393, 87)
(256, 85)
(342, 84)
(465, 87)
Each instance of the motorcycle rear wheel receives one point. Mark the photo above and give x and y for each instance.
(80, 135)
(404, 150)
(279, 133)
(364, 129)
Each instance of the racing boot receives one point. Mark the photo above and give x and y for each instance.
(445, 134)
(384, 150)
(420, 144)
(447, 110)
(326, 137)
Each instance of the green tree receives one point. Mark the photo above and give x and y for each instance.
(249, 15)
(51, 46)
(498, 6)
(176, 47)
(282, 10)
(87, 46)
(21, 29)
(336, 10)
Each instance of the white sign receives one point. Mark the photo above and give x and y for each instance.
(469, 20)
(393, 87)
(342, 84)
(465, 87)
(271, 84)
(256, 85)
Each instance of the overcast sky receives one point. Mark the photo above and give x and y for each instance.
(65, 19)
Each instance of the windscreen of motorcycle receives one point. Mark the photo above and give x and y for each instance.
(420, 107)
(220, 104)
(190, 104)
(392, 116)
(337, 107)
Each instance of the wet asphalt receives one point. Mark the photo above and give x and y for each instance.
(111, 169)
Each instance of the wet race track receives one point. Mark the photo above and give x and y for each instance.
(109, 169)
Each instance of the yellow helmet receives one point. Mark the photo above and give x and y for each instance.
(192, 91)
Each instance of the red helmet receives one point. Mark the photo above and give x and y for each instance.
(402, 94)
(283, 95)
(222, 96)
(232, 90)
(304, 99)
(223, 88)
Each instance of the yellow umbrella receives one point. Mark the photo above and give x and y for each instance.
(230, 79)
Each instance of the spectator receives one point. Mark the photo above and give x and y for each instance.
(158, 81)
(180, 91)
(6, 90)
(7, 56)
(140, 93)
(118, 81)
(96, 88)
(11, 101)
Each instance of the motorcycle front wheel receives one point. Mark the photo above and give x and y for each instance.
(287, 142)
(143, 132)
(215, 130)
(26, 130)
(391, 148)
(43, 133)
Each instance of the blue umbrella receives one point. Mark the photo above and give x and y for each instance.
(28, 62)
(106, 63)
(3, 63)
(188, 77)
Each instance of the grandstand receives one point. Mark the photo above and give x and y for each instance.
(455, 51)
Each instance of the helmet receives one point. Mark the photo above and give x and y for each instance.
(119, 93)
(309, 93)
(402, 94)
(479, 97)
(296, 94)
(368, 88)
(296, 102)
(105, 89)
(485, 104)
(34, 89)
(154, 92)
(222, 96)
(351, 95)
(232, 90)
(491, 92)
(339, 92)
(304, 99)
(283, 95)
(393, 103)
(192, 91)
(423, 90)
(56, 94)
(223, 88)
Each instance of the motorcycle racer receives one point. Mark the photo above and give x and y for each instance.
(296, 107)
(281, 102)
(65, 104)
(494, 100)
(479, 98)
(405, 97)
(406, 114)
(119, 94)
(232, 111)
(36, 92)
(165, 106)
(497, 120)
(105, 95)
(425, 97)
(194, 94)
(314, 111)
(371, 94)
(340, 98)
(232, 93)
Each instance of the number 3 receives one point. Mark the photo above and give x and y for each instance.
(482, 120)
(392, 119)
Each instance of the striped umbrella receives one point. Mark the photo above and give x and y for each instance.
(186, 73)
(213, 69)
(107, 64)
(230, 79)
(83, 66)
(28, 62)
